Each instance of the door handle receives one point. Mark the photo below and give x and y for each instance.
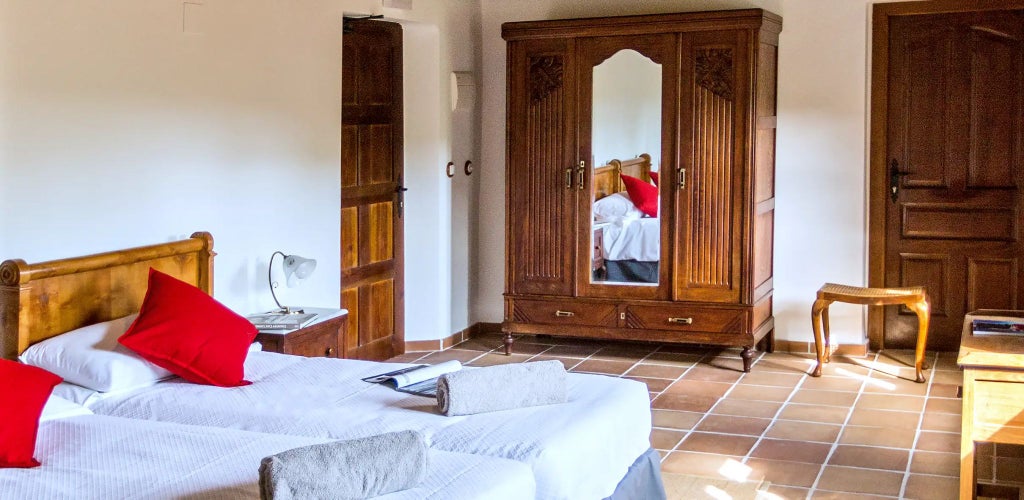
(580, 171)
(894, 179)
(400, 190)
(568, 178)
(681, 174)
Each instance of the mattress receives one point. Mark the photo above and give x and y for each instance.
(632, 239)
(95, 456)
(580, 449)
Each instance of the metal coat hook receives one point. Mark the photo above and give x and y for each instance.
(468, 168)
(449, 169)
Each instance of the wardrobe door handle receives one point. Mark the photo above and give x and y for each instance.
(329, 352)
(568, 178)
(581, 172)
(564, 314)
(681, 321)
(681, 173)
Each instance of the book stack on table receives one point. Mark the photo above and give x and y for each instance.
(998, 325)
(280, 322)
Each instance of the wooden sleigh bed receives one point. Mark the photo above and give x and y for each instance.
(43, 300)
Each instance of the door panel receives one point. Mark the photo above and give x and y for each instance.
(955, 123)
(600, 93)
(371, 173)
(711, 193)
(541, 135)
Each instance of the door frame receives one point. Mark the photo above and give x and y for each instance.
(878, 194)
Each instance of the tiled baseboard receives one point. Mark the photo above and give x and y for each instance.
(804, 347)
(455, 338)
(793, 346)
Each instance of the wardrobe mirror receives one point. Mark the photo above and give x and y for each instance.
(626, 154)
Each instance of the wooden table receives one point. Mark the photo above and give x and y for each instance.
(993, 393)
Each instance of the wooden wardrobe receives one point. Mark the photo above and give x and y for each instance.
(695, 93)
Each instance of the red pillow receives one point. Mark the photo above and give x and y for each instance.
(654, 177)
(26, 390)
(643, 194)
(185, 331)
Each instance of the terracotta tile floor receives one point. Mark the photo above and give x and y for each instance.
(862, 430)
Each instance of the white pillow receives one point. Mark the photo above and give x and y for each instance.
(91, 357)
(58, 407)
(614, 206)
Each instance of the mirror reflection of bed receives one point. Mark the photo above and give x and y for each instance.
(626, 240)
(626, 150)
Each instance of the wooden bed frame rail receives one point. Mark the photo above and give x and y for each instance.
(45, 299)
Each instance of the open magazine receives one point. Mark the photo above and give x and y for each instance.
(420, 379)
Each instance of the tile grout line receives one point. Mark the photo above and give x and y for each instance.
(835, 445)
(764, 433)
(917, 431)
(689, 431)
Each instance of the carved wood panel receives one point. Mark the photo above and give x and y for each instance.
(541, 216)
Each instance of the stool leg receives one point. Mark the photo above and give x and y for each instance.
(816, 309)
(922, 310)
(828, 333)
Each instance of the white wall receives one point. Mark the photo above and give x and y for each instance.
(119, 129)
(821, 157)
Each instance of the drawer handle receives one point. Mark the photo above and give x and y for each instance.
(329, 352)
(564, 314)
(681, 321)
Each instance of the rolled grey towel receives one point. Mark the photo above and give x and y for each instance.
(357, 468)
(502, 387)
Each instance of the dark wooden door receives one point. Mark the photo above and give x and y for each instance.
(955, 154)
(542, 176)
(371, 189)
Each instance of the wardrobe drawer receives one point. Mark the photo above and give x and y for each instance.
(687, 319)
(563, 313)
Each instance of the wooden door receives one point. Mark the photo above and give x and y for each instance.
(542, 179)
(955, 148)
(371, 189)
(711, 184)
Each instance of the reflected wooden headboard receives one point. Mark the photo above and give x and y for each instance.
(39, 301)
(607, 180)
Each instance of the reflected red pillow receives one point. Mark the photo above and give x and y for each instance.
(654, 178)
(185, 331)
(26, 389)
(643, 194)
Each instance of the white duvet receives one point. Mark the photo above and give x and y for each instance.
(580, 449)
(94, 456)
(632, 239)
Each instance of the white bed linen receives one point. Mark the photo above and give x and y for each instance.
(106, 457)
(632, 239)
(580, 449)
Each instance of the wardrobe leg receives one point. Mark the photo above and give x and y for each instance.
(748, 356)
(508, 344)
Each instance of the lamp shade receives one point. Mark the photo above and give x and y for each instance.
(297, 268)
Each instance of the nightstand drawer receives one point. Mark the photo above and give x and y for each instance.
(320, 339)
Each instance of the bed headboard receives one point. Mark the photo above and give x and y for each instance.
(606, 177)
(39, 301)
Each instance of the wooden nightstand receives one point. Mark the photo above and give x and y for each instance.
(321, 338)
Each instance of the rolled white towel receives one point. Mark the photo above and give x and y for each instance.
(357, 468)
(502, 387)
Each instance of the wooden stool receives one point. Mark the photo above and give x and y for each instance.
(914, 298)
